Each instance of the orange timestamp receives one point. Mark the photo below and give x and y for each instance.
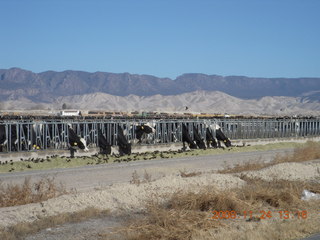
(283, 214)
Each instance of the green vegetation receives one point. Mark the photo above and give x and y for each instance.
(67, 162)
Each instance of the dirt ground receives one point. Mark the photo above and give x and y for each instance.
(120, 197)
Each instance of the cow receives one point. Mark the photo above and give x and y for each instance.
(199, 141)
(187, 139)
(5, 143)
(124, 145)
(144, 131)
(104, 145)
(210, 138)
(3, 137)
(220, 136)
(75, 140)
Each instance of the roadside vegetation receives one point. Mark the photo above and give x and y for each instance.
(259, 206)
(28, 192)
(56, 161)
(264, 209)
(302, 153)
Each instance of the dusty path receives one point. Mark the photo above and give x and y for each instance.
(99, 176)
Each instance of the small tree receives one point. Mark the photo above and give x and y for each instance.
(64, 106)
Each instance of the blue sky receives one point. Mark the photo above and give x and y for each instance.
(165, 38)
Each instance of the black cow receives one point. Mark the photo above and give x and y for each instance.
(211, 140)
(3, 138)
(144, 131)
(199, 141)
(104, 145)
(75, 140)
(187, 139)
(220, 136)
(124, 145)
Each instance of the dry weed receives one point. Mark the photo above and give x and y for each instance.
(246, 166)
(277, 193)
(184, 174)
(15, 194)
(310, 151)
(207, 199)
(160, 222)
(135, 178)
(186, 214)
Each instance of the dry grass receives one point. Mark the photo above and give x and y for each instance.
(280, 194)
(160, 222)
(137, 180)
(21, 230)
(184, 174)
(271, 230)
(309, 151)
(15, 194)
(186, 215)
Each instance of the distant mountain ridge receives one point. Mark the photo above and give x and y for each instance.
(198, 101)
(47, 86)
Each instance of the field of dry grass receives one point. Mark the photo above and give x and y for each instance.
(189, 214)
(263, 209)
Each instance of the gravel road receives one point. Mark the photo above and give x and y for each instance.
(98, 176)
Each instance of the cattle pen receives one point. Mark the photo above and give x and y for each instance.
(18, 135)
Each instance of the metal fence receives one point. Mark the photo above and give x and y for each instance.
(53, 134)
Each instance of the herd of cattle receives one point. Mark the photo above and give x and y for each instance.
(25, 137)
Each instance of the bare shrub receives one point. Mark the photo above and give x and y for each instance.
(15, 194)
(135, 178)
(147, 177)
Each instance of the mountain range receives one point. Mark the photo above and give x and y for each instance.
(48, 85)
(123, 91)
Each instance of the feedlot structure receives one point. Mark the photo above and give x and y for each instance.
(40, 134)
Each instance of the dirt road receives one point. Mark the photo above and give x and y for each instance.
(99, 176)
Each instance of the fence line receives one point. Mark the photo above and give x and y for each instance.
(26, 135)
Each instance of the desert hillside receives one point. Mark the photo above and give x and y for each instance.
(198, 101)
